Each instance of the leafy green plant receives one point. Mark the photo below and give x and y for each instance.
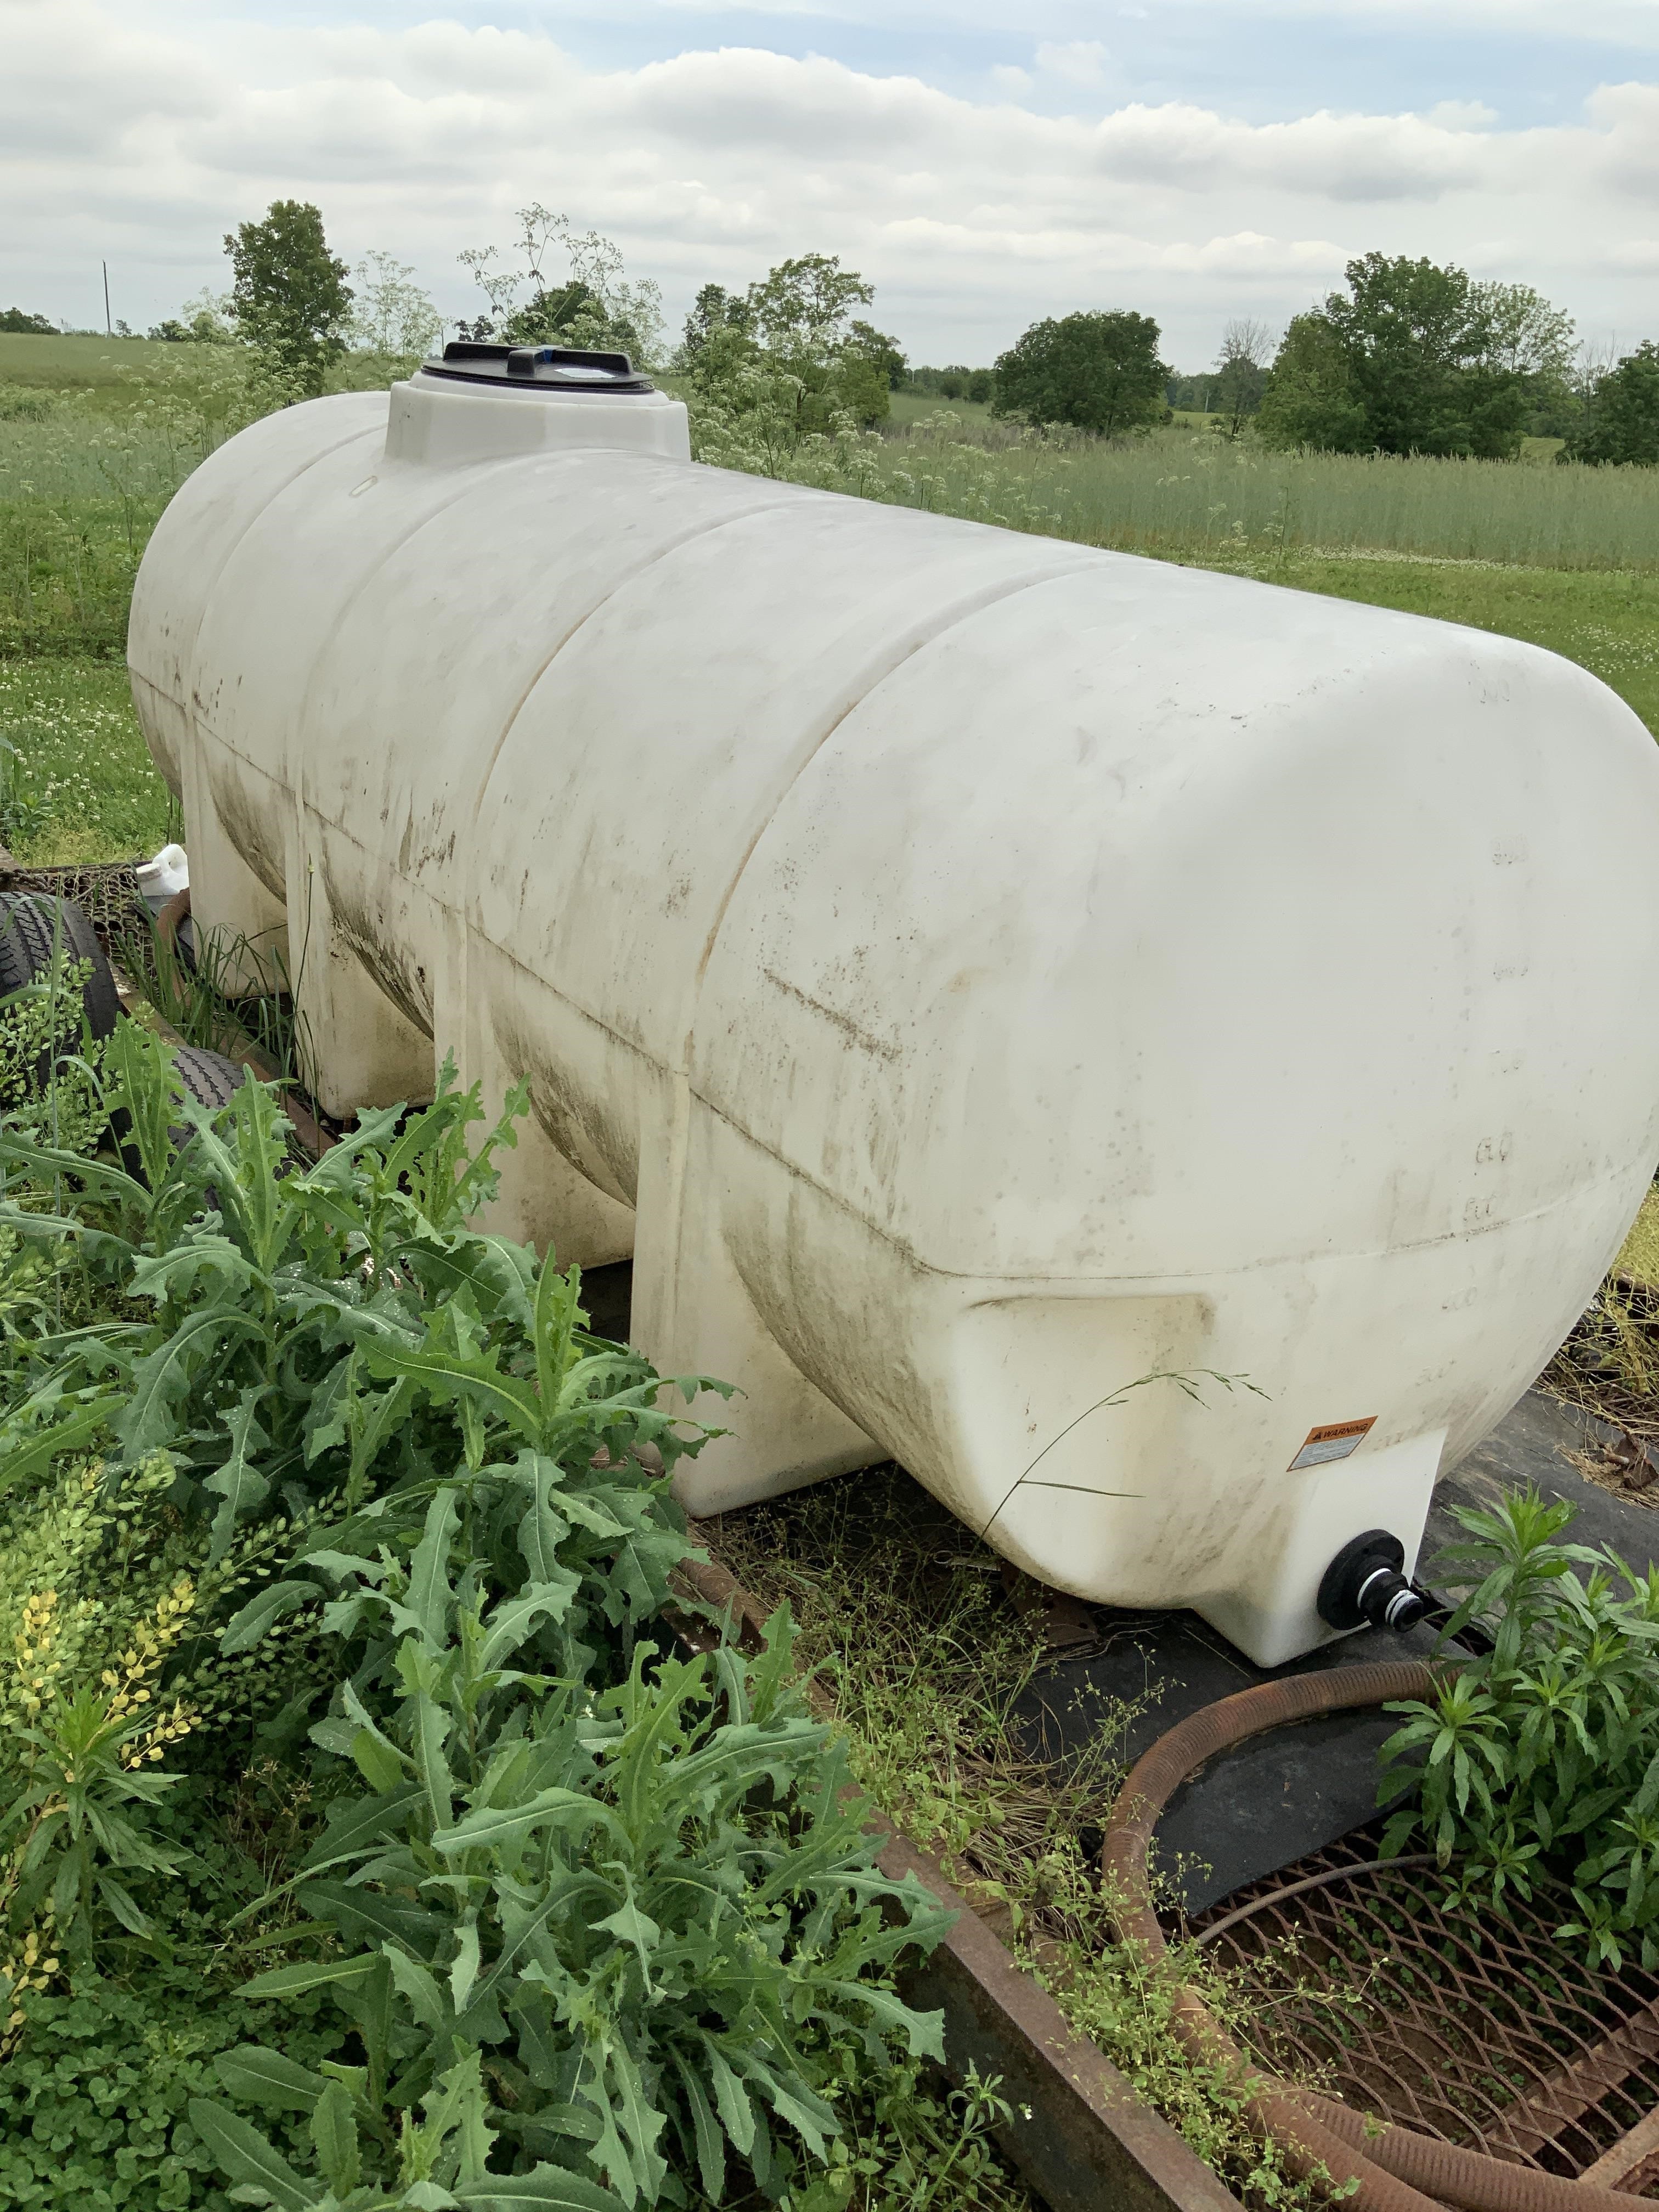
(654, 1906)
(336, 1329)
(1538, 1764)
(605, 1919)
(298, 1342)
(48, 1064)
(94, 2099)
(103, 1671)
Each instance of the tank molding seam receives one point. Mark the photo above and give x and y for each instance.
(976, 603)
(316, 460)
(657, 553)
(295, 769)
(1172, 1285)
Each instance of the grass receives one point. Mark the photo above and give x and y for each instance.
(78, 784)
(1639, 1255)
(95, 437)
(1194, 495)
(1607, 620)
(906, 408)
(111, 367)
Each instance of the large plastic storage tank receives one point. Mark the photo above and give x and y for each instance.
(968, 972)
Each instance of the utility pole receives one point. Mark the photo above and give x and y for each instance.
(109, 327)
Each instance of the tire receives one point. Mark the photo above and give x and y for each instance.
(28, 925)
(211, 1078)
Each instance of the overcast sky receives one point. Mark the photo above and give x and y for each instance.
(984, 162)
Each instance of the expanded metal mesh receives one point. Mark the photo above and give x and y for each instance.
(1475, 2026)
(107, 895)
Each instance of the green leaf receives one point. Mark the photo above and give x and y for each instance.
(334, 2133)
(238, 1482)
(464, 1973)
(419, 1991)
(307, 1974)
(355, 1829)
(500, 1824)
(359, 1912)
(731, 2098)
(510, 1623)
(543, 1527)
(429, 1595)
(256, 2075)
(550, 2188)
(710, 2143)
(557, 1303)
(447, 1375)
(25, 1460)
(924, 2032)
(262, 1612)
(243, 2154)
(161, 1380)
(377, 1760)
(123, 1903)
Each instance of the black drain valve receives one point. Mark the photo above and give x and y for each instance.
(1365, 1583)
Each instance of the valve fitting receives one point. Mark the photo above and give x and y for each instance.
(1366, 1582)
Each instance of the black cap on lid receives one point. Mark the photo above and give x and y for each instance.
(536, 369)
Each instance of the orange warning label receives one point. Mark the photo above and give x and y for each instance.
(1334, 1440)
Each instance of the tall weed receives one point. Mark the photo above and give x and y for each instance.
(1537, 1765)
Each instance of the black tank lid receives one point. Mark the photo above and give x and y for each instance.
(536, 369)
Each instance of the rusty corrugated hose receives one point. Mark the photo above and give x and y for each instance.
(1396, 2169)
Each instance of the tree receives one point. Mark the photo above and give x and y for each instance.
(882, 352)
(203, 320)
(1524, 334)
(1241, 371)
(1434, 363)
(594, 309)
(786, 362)
(289, 296)
(1621, 416)
(799, 312)
(1100, 371)
(392, 315)
(714, 309)
(15, 319)
(1310, 398)
(980, 387)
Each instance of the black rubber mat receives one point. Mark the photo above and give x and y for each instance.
(1273, 1801)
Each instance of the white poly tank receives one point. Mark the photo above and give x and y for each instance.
(970, 973)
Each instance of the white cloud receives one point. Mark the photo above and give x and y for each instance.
(1079, 61)
(1462, 115)
(1009, 77)
(143, 131)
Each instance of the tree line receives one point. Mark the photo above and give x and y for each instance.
(1411, 357)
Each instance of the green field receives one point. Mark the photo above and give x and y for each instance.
(908, 407)
(78, 783)
(113, 366)
(96, 434)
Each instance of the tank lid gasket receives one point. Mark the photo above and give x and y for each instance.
(544, 368)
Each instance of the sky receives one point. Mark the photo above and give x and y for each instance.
(983, 163)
